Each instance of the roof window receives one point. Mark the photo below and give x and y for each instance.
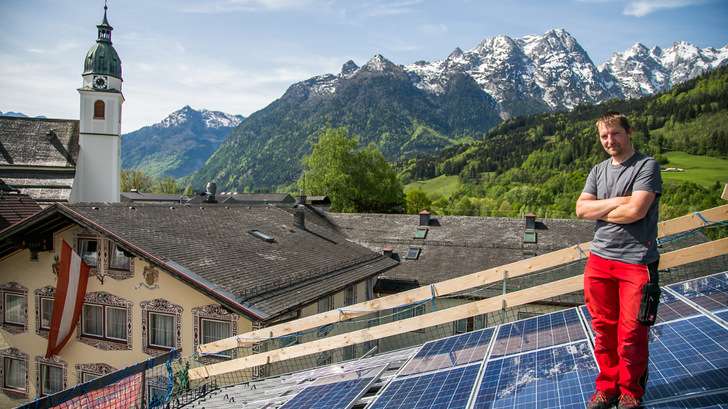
(262, 236)
(421, 233)
(413, 253)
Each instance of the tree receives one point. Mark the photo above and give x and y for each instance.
(166, 184)
(356, 180)
(417, 201)
(135, 179)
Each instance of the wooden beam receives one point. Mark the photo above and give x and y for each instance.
(692, 221)
(694, 253)
(394, 328)
(451, 286)
(533, 294)
(724, 196)
(455, 285)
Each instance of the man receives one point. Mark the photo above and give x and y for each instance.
(622, 195)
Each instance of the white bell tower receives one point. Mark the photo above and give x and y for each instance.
(98, 171)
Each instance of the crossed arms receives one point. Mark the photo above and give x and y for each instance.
(620, 210)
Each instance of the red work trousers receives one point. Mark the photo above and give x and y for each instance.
(613, 291)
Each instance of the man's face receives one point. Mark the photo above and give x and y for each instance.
(616, 140)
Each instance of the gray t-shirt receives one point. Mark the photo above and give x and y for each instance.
(634, 243)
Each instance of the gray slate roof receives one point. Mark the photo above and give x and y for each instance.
(210, 247)
(41, 163)
(457, 245)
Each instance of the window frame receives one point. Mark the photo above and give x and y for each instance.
(152, 331)
(40, 375)
(24, 363)
(105, 342)
(113, 250)
(13, 289)
(160, 306)
(221, 354)
(99, 108)
(104, 323)
(82, 249)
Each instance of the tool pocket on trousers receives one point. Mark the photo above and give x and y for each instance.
(648, 306)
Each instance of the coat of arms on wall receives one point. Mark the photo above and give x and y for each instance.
(56, 265)
(151, 278)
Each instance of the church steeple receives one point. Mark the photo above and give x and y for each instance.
(98, 168)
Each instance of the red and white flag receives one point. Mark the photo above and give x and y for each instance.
(68, 302)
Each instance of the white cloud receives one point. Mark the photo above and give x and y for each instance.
(641, 8)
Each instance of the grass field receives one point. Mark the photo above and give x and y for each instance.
(703, 170)
(443, 185)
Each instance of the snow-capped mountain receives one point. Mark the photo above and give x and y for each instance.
(641, 72)
(211, 119)
(178, 145)
(539, 73)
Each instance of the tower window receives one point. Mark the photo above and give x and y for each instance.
(99, 109)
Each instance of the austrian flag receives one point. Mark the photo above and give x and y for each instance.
(72, 279)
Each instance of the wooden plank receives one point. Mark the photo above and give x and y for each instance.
(451, 286)
(695, 253)
(532, 294)
(519, 268)
(724, 196)
(692, 221)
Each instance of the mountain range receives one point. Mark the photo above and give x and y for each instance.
(178, 145)
(421, 108)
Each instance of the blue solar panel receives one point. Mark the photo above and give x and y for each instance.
(687, 356)
(449, 352)
(437, 390)
(337, 391)
(709, 401)
(557, 377)
(709, 292)
(538, 332)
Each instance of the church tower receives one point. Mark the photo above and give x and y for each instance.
(98, 171)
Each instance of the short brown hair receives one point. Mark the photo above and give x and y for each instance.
(612, 117)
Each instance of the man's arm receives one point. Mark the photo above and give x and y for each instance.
(590, 208)
(634, 209)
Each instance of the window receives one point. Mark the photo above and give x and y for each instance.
(15, 371)
(161, 330)
(349, 352)
(404, 313)
(14, 309)
(325, 358)
(369, 289)
(104, 322)
(325, 304)
(46, 312)
(99, 109)
(529, 237)
(161, 326)
(88, 250)
(289, 340)
(50, 375)
(469, 324)
(350, 295)
(413, 253)
(14, 306)
(51, 379)
(118, 259)
(89, 372)
(262, 236)
(421, 233)
(214, 330)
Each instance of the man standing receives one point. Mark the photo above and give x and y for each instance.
(622, 195)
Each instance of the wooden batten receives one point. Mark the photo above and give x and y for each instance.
(519, 268)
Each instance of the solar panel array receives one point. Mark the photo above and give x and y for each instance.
(548, 361)
(336, 391)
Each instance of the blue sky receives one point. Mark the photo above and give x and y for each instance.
(238, 56)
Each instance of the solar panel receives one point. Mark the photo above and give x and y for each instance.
(709, 292)
(336, 391)
(538, 332)
(443, 389)
(687, 356)
(557, 377)
(712, 401)
(449, 352)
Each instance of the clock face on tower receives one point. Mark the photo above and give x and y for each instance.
(100, 82)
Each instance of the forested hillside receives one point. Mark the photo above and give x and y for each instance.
(539, 163)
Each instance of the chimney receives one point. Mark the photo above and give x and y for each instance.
(424, 218)
(530, 221)
(211, 190)
(299, 217)
(387, 252)
(301, 199)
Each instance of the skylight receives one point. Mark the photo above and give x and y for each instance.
(262, 236)
(421, 233)
(413, 253)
